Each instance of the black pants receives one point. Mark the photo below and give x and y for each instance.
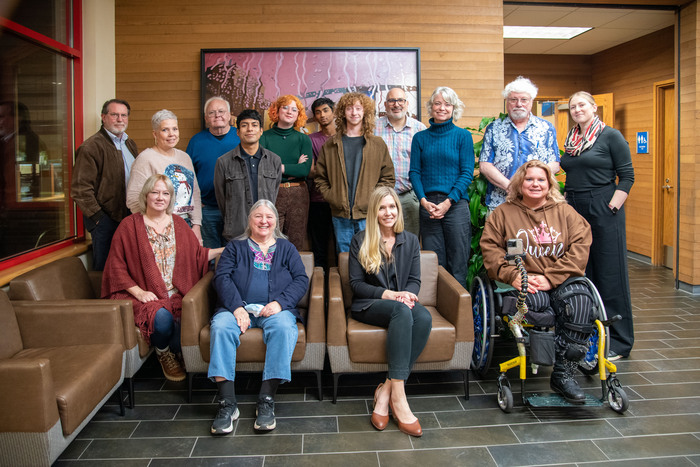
(607, 262)
(320, 230)
(408, 331)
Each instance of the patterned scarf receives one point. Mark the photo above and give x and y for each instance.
(576, 142)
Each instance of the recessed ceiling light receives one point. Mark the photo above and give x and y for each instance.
(541, 32)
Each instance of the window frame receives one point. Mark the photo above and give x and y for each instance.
(74, 106)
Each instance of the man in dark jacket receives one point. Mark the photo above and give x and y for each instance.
(245, 174)
(100, 176)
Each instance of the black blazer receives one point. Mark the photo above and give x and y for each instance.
(367, 288)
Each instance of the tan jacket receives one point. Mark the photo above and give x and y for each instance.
(331, 176)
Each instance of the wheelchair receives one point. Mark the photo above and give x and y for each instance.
(490, 323)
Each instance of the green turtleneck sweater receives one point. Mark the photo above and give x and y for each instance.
(289, 144)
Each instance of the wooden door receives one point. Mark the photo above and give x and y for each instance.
(665, 175)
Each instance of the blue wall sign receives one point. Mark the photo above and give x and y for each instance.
(642, 142)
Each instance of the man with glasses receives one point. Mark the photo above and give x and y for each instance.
(397, 129)
(204, 149)
(100, 176)
(516, 139)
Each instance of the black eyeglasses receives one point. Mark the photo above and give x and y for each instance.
(396, 101)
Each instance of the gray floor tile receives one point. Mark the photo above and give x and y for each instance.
(108, 429)
(259, 445)
(173, 429)
(666, 391)
(665, 406)
(575, 430)
(239, 461)
(656, 425)
(644, 446)
(293, 425)
(463, 437)
(653, 462)
(359, 459)
(138, 448)
(486, 417)
(546, 453)
(439, 457)
(104, 463)
(356, 442)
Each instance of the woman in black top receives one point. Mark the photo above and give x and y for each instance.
(384, 269)
(599, 176)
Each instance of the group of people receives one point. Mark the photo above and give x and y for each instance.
(251, 197)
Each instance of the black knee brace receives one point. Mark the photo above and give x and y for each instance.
(576, 312)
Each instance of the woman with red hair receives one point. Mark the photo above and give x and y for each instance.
(293, 147)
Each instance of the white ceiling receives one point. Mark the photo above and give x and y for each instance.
(611, 27)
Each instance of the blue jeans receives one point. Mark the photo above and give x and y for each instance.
(450, 234)
(102, 234)
(279, 334)
(344, 230)
(212, 226)
(166, 331)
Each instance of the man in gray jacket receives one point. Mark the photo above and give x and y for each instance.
(100, 176)
(245, 174)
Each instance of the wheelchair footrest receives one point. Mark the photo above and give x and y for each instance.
(556, 400)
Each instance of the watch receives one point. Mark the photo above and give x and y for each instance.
(613, 208)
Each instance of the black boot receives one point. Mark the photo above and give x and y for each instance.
(564, 383)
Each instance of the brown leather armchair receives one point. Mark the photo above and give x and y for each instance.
(355, 347)
(58, 365)
(67, 279)
(309, 353)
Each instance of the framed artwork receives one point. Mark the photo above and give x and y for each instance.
(254, 78)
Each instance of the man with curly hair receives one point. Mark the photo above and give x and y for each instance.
(351, 165)
(294, 148)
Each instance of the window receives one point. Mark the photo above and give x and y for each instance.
(36, 127)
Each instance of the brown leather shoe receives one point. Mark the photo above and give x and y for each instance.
(378, 421)
(171, 366)
(413, 429)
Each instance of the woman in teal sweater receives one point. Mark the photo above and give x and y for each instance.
(442, 167)
(294, 148)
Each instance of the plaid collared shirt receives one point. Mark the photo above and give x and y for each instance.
(399, 144)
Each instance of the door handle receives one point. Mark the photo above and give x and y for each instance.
(667, 186)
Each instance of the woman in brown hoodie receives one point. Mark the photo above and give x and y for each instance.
(556, 241)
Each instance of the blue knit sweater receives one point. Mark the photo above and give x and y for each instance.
(204, 150)
(442, 160)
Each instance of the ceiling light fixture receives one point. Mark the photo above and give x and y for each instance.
(541, 32)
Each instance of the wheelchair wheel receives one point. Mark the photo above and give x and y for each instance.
(484, 324)
(618, 400)
(505, 398)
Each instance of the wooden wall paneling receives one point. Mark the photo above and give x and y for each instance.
(689, 206)
(158, 53)
(629, 71)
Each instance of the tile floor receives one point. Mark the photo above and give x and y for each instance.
(661, 427)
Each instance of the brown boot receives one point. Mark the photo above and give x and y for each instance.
(171, 366)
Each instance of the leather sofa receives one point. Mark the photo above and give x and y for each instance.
(355, 347)
(58, 365)
(309, 353)
(67, 279)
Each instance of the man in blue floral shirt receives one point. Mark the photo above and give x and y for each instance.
(518, 138)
